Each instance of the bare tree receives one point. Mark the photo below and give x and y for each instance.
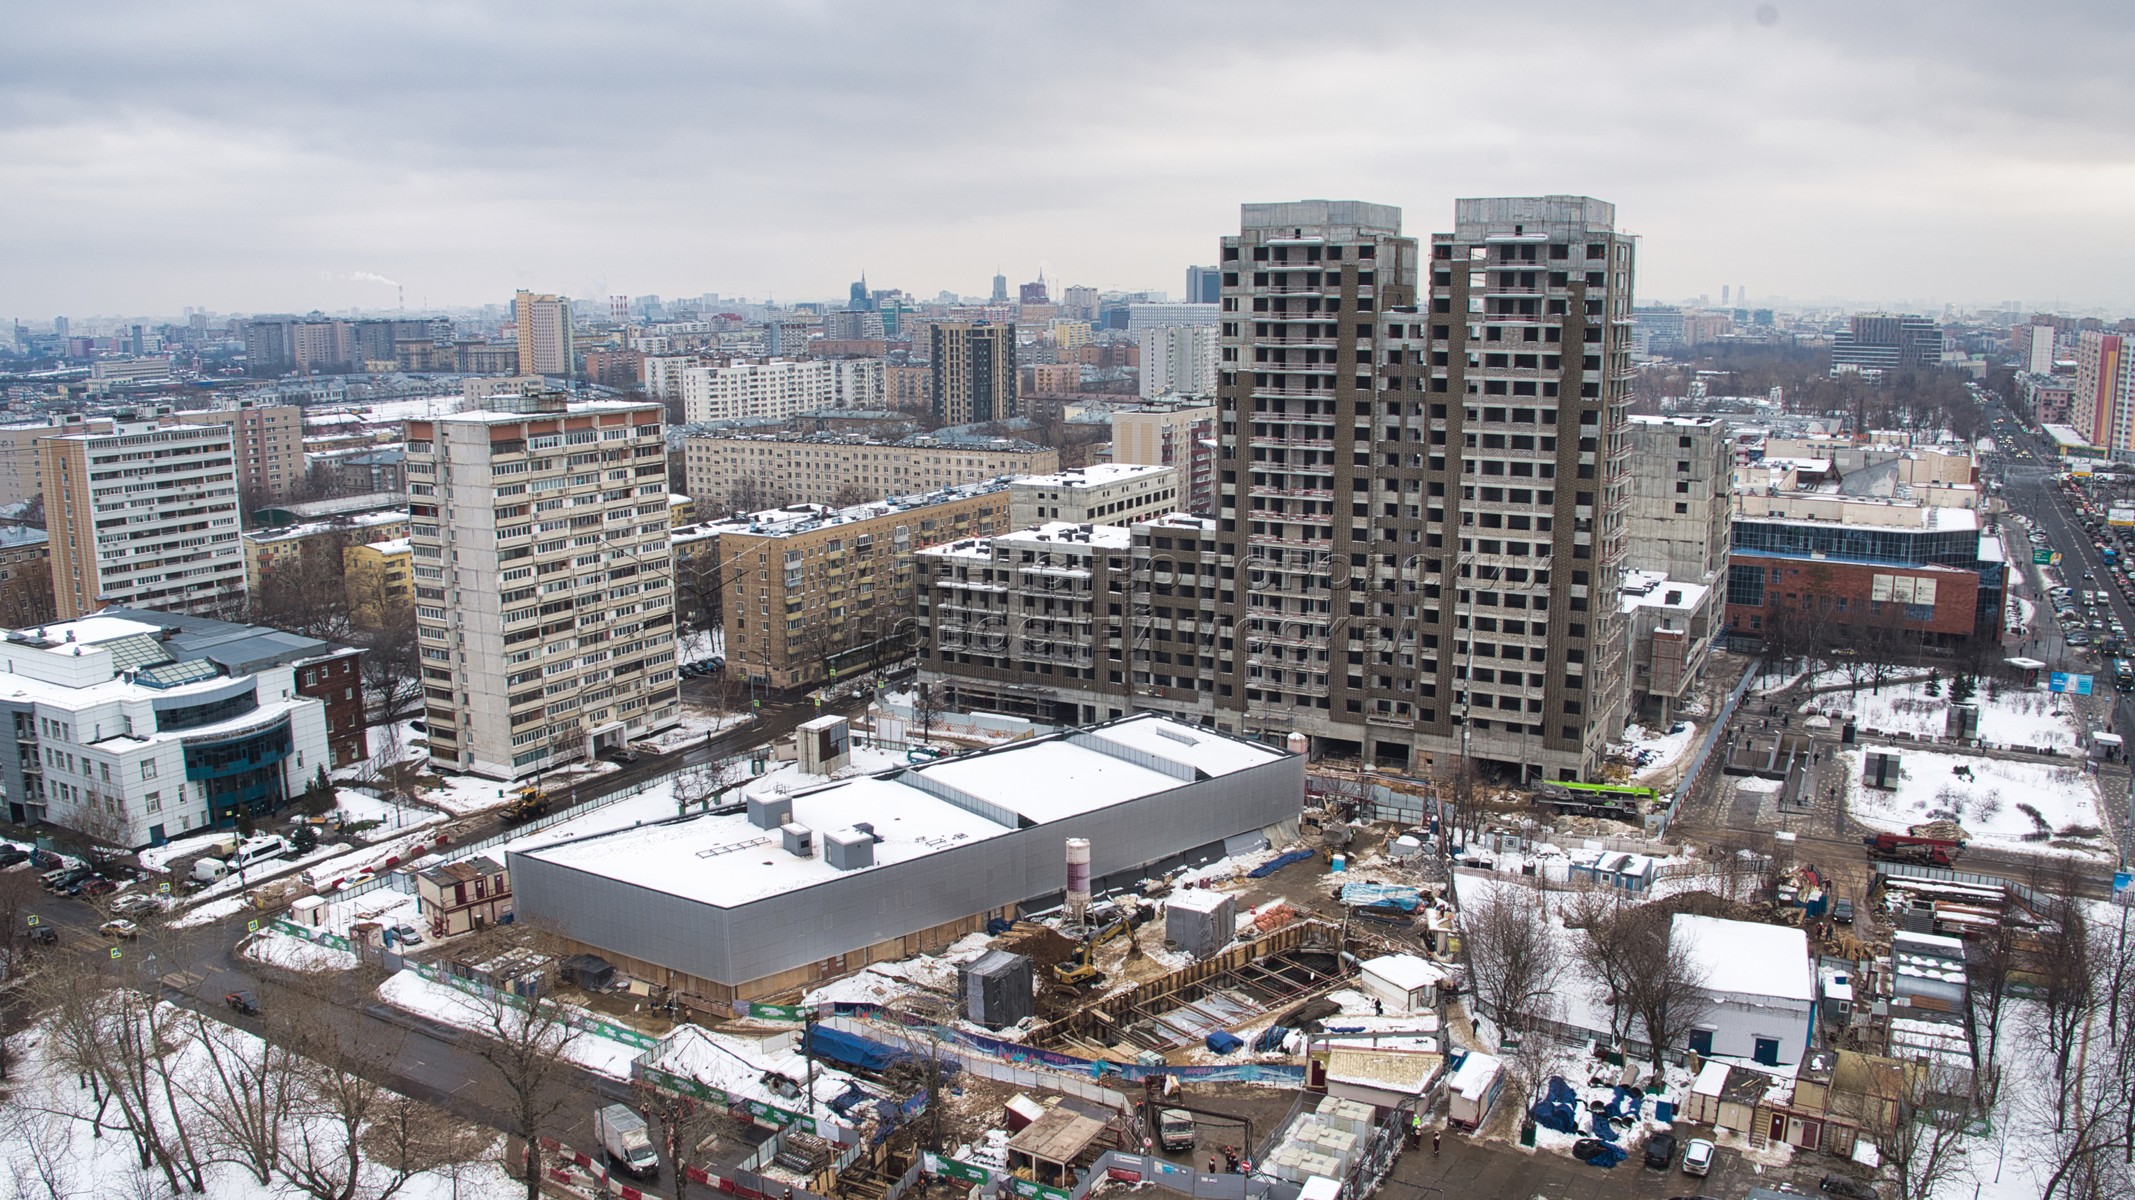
(392, 664)
(2065, 996)
(1514, 959)
(926, 707)
(247, 1088)
(38, 1163)
(1920, 1132)
(1993, 959)
(524, 1044)
(1601, 923)
(1664, 987)
(18, 894)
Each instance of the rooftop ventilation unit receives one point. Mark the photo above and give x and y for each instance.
(799, 839)
(849, 849)
(770, 811)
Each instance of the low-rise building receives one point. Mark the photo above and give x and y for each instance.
(311, 554)
(824, 880)
(1106, 494)
(1815, 565)
(127, 740)
(463, 896)
(376, 577)
(1759, 987)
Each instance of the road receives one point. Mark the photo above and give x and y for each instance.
(421, 1058)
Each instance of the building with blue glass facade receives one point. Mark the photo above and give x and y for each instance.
(126, 738)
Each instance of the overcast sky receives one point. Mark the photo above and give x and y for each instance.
(290, 156)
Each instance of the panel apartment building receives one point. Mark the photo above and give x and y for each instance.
(145, 515)
(1425, 471)
(544, 590)
(798, 468)
(1172, 435)
(267, 440)
(779, 388)
(806, 590)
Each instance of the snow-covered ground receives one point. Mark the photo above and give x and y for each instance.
(698, 724)
(738, 1065)
(49, 1147)
(279, 949)
(383, 905)
(451, 1006)
(390, 742)
(886, 982)
(2011, 717)
(1653, 751)
(1993, 799)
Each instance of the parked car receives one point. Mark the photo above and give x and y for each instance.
(44, 935)
(409, 935)
(1852, 1189)
(1660, 1150)
(96, 886)
(1697, 1156)
(243, 1001)
(60, 879)
(1842, 911)
(10, 855)
(120, 928)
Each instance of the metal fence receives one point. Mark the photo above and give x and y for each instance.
(1703, 760)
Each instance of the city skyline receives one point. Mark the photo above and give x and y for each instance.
(346, 158)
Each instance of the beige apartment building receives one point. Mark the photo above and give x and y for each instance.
(267, 440)
(545, 337)
(1178, 436)
(145, 516)
(21, 478)
(1105, 494)
(544, 586)
(744, 470)
(810, 592)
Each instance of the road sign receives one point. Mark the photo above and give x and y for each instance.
(2041, 556)
(33, 918)
(115, 952)
(2056, 560)
(2074, 685)
(252, 926)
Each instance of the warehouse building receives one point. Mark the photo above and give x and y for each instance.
(816, 883)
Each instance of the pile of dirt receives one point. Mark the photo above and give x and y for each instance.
(1044, 947)
(1949, 830)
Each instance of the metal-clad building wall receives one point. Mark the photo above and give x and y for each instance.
(810, 924)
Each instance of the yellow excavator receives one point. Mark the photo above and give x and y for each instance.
(1081, 970)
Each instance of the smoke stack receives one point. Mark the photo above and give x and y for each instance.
(1078, 879)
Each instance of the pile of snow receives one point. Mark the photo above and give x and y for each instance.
(278, 949)
(738, 1066)
(887, 982)
(1994, 799)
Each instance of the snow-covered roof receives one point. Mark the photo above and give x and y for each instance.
(723, 860)
(1711, 1078)
(1095, 475)
(1405, 971)
(1475, 1074)
(1748, 958)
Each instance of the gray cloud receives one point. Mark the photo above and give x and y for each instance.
(254, 159)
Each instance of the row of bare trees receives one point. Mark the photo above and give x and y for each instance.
(305, 1104)
(1622, 952)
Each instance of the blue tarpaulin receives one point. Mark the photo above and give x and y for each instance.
(1555, 1109)
(1608, 1157)
(1278, 863)
(1223, 1043)
(1382, 895)
(1627, 1102)
(853, 1050)
(1270, 1039)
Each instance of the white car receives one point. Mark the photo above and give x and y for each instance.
(1697, 1157)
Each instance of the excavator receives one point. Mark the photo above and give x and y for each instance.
(1081, 970)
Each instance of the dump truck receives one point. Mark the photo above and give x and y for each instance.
(1900, 847)
(626, 1140)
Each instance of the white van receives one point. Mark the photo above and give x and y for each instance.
(255, 850)
(208, 870)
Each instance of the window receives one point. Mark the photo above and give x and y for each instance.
(148, 768)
